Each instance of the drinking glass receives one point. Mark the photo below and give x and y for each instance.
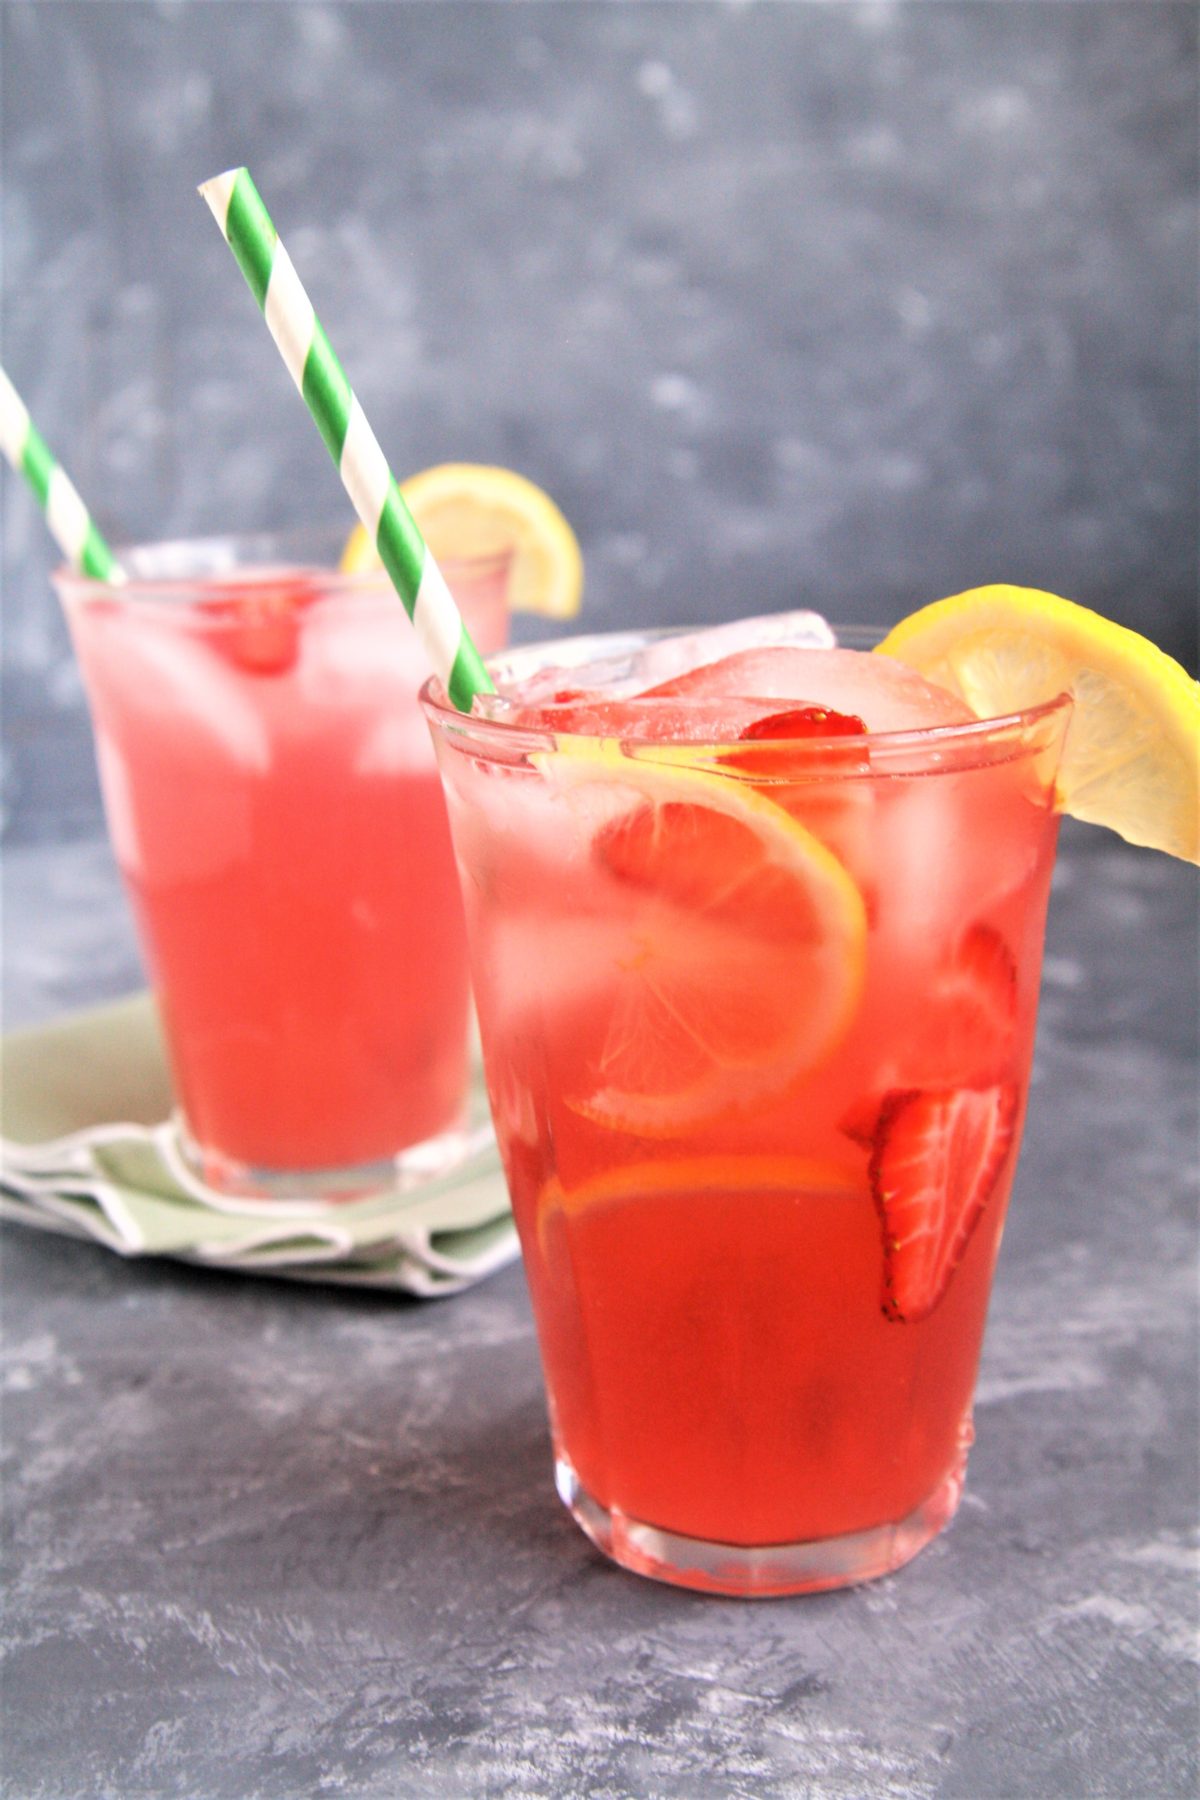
(274, 807)
(757, 1023)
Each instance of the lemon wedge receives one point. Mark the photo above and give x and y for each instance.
(732, 952)
(471, 509)
(1132, 755)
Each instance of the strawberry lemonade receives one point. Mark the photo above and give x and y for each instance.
(756, 934)
(275, 810)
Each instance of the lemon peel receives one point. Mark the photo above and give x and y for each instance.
(1132, 754)
(475, 509)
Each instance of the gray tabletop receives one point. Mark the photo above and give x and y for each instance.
(264, 1542)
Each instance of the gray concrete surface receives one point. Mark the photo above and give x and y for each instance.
(264, 1544)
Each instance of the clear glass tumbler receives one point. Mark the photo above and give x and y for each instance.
(757, 1024)
(274, 807)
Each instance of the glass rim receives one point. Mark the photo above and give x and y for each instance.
(168, 572)
(505, 735)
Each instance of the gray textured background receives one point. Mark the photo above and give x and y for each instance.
(858, 303)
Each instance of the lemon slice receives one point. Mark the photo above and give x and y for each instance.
(470, 509)
(729, 944)
(696, 1177)
(359, 555)
(1132, 756)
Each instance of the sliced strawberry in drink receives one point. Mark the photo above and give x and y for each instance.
(829, 741)
(938, 1155)
(806, 722)
(258, 623)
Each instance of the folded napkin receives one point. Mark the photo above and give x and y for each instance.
(90, 1147)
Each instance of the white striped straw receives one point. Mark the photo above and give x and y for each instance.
(239, 211)
(73, 528)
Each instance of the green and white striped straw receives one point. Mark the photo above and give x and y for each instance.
(238, 209)
(73, 528)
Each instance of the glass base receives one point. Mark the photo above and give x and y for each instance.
(432, 1158)
(759, 1571)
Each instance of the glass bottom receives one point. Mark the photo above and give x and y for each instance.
(433, 1157)
(759, 1571)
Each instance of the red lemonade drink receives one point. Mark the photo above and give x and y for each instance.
(275, 810)
(756, 939)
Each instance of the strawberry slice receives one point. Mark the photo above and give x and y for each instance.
(811, 726)
(806, 722)
(938, 1155)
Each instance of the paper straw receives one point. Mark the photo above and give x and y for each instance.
(70, 522)
(239, 211)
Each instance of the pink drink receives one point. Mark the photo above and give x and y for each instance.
(756, 954)
(274, 807)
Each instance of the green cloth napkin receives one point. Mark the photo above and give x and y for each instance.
(90, 1147)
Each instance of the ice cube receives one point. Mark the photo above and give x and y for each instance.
(157, 840)
(397, 742)
(119, 808)
(707, 720)
(138, 668)
(615, 673)
(361, 668)
(354, 655)
(671, 656)
(631, 665)
(953, 846)
(883, 693)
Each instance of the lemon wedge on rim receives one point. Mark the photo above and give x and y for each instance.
(473, 509)
(1132, 755)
